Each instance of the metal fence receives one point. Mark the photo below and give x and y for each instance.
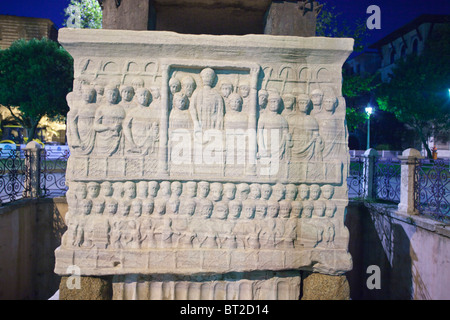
(16, 174)
(387, 175)
(432, 188)
(356, 180)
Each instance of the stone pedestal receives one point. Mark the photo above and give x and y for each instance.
(210, 166)
(408, 160)
(318, 286)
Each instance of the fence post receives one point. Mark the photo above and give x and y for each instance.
(370, 156)
(33, 168)
(408, 161)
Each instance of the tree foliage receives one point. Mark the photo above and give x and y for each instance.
(35, 77)
(330, 24)
(357, 88)
(418, 90)
(86, 14)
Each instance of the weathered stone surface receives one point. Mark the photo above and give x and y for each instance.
(318, 286)
(200, 154)
(91, 288)
(292, 18)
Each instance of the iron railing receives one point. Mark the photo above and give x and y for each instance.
(13, 175)
(356, 180)
(53, 173)
(387, 176)
(432, 188)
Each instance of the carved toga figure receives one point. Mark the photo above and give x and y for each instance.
(207, 106)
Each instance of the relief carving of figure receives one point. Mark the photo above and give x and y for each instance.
(141, 126)
(207, 105)
(263, 96)
(108, 124)
(80, 119)
(127, 95)
(271, 122)
(226, 88)
(316, 99)
(180, 117)
(332, 130)
(244, 91)
(235, 118)
(306, 143)
(188, 86)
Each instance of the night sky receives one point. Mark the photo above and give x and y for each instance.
(394, 13)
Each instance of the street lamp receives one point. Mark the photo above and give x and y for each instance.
(369, 111)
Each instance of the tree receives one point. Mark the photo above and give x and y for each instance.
(357, 88)
(417, 93)
(86, 14)
(330, 24)
(35, 77)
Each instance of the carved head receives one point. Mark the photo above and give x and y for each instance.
(248, 209)
(164, 188)
(308, 208)
(93, 189)
(263, 95)
(188, 207)
(242, 191)
(203, 189)
(206, 209)
(112, 94)
(136, 207)
(255, 191)
(272, 209)
(316, 97)
(137, 83)
(260, 209)
(319, 208)
(142, 189)
(153, 187)
(279, 191)
(266, 191)
(303, 103)
(111, 206)
(106, 189)
(235, 207)
(174, 85)
(235, 102)
(88, 93)
(127, 93)
(226, 89)
(274, 102)
(296, 210)
(208, 76)
(124, 208)
(129, 189)
(289, 101)
(291, 192)
(98, 206)
(221, 211)
(327, 191)
(303, 192)
(285, 209)
(216, 191)
(156, 93)
(85, 206)
(81, 190)
(144, 97)
(180, 101)
(244, 90)
(188, 85)
(147, 206)
(229, 191)
(191, 189)
(315, 191)
(176, 188)
(330, 103)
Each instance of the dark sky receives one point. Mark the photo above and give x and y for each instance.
(394, 13)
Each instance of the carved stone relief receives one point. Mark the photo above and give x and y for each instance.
(231, 161)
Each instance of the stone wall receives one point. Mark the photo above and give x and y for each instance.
(30, 230)
(411, 252)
